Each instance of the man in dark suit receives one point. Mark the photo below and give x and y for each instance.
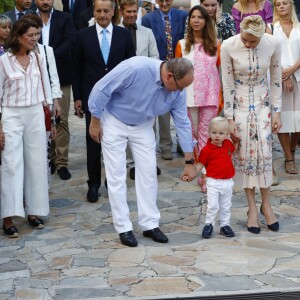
(75, 7)
(22, 8)
(58, 32)
(97, 51)
(159, 21)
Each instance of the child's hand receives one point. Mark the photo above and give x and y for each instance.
(185, 178)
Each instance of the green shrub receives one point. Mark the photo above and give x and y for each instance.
(6, 5)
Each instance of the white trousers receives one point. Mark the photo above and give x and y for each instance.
(24, 162)
(219, 193)
(141, 141)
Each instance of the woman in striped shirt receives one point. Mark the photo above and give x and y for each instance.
(22, 94)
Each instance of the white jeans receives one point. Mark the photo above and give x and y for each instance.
(24, 162)
(219, 193)
(141, 141)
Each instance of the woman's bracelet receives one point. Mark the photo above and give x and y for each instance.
(53, 121)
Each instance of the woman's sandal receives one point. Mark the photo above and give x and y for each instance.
(291, 167)
(36, 222)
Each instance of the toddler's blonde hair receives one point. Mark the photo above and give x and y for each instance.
(220, 122)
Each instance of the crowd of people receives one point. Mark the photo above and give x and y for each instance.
(229, 80)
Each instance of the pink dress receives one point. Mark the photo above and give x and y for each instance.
(206, 78)
(202, 96)
(266, 13)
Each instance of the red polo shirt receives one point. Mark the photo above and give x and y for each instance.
(217, 160)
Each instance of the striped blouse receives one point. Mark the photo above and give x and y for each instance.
(20, 88)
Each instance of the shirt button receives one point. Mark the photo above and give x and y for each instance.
(106, 69)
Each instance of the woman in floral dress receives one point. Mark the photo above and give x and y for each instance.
(223, 21)
(246, 59)
(201, 47)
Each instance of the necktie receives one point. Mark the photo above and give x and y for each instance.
(104, 46)
(20, 15)
(168, 33)
(132, 28)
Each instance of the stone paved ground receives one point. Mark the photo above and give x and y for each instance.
(78, 255)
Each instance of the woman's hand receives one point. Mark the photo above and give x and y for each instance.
(288, 85)
(286, 73)
(53, 133)
(2, 138)
(233, 131)
(276, 122)
(56, 108)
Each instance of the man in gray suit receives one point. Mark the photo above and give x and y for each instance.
(144, 42)
(143, 37)
(22, 8)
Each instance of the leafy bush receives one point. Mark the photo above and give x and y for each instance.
(6, 5)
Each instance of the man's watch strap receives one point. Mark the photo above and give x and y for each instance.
(190, 162)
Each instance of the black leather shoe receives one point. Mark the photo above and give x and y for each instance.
(64, 173)
(93, 194)
(227, 231)
(156, 235)
(128, 239)
(11, 232)
(274, 226)
(36, 222)
(132, 172)
(255, 230)
(207, 231)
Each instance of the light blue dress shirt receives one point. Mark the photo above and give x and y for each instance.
(133, 93)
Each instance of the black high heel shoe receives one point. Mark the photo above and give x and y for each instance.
(274, 226)
(255, 230)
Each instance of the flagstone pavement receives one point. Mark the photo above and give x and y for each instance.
(78, 254)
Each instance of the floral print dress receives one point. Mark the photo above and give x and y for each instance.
(225, 27)
(247, 100)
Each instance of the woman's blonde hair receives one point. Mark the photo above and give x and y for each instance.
(294, 18)
(244, 5)
(253, 25)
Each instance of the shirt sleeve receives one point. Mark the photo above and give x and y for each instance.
(268, 12)
(54, 79)
(203, 157)
(182, 123)
(236, 14)
(275, 79)
(178, 50)
(2, 80)
(227, 80)
(115, 81)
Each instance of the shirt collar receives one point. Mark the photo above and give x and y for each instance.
(51, 12)
(17, 12)
(99, 29)
(157, 72)
(169, 14)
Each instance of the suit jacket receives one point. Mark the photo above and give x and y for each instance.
(61, 39)
(145, 42)
(89, 65)
(12, 15)
(79, 6)
(85, 16)
(153, 21)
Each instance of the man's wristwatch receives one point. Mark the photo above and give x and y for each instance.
(190, 162)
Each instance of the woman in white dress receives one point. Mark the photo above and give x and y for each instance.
(245, 61)
(286, 30)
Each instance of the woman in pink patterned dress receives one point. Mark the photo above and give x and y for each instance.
(201, 47)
